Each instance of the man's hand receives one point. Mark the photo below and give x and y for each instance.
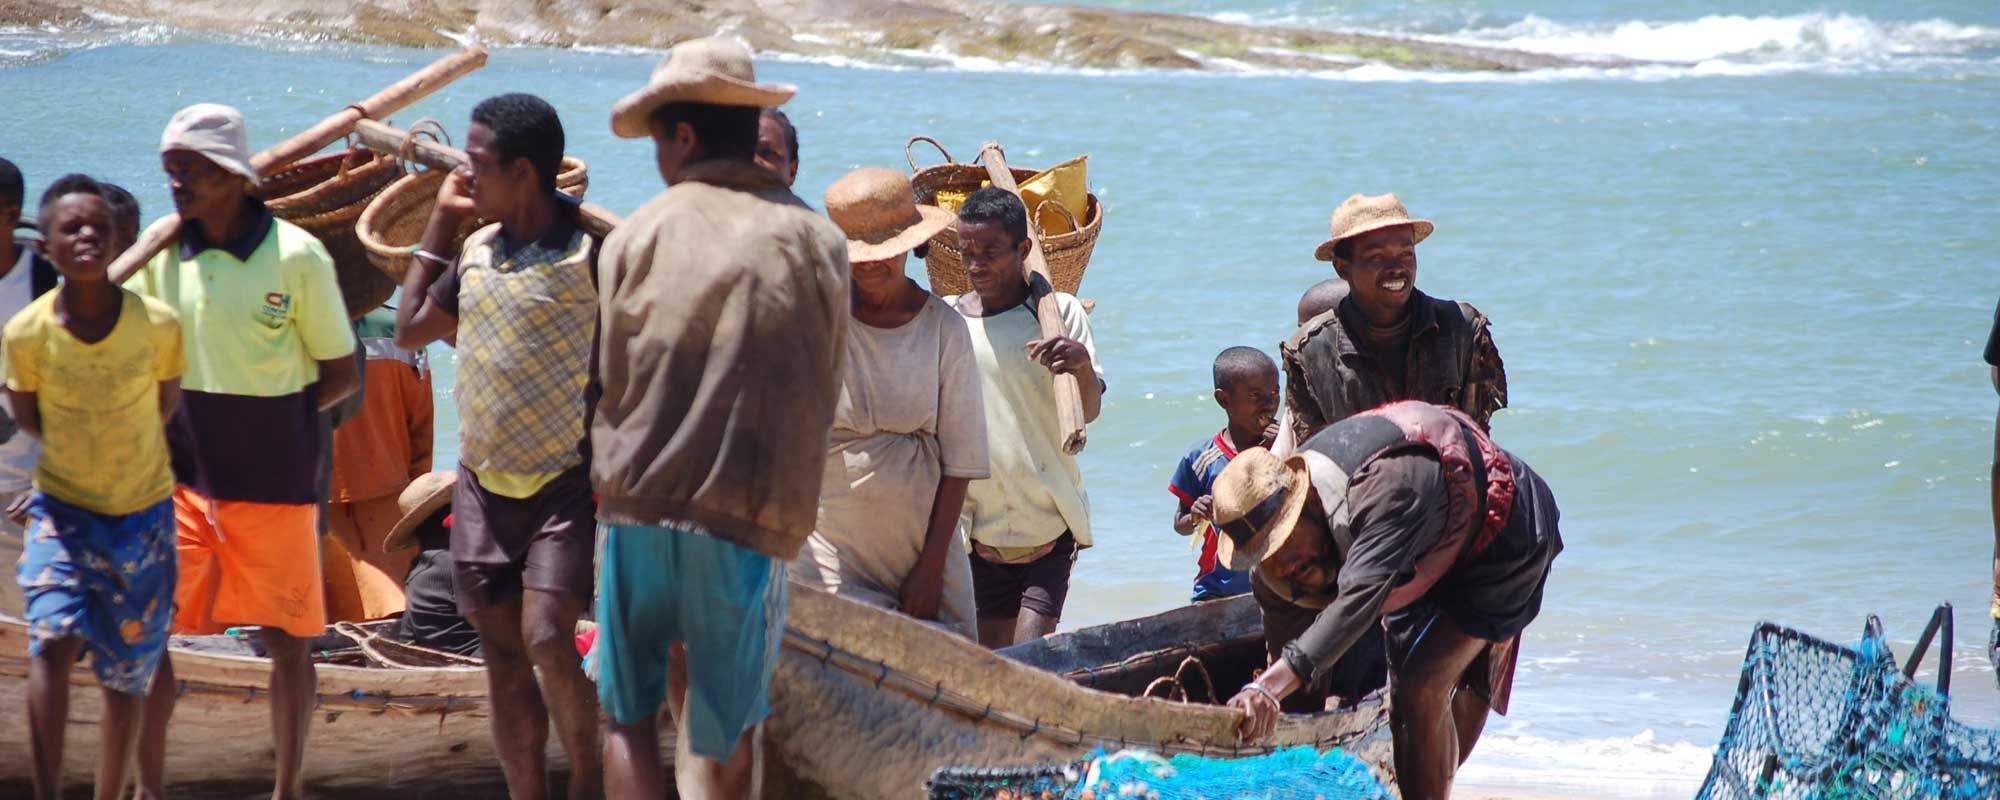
(454, 197)
(1260, 713)
(17, 511)
(1061, 354)
(922, 592)
(1203, 508)
(1270, 435)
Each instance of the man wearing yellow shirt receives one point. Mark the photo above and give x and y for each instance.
(521, 301)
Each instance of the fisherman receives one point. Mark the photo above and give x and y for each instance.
(1387, 340)
(778, 145)
(910, 423)
(1028, 520)
(1246, 387)
(519, 299)
(268, 349)
(1993, 486)
(24, 276)
(376, 453)
(725, 312)
(1406, 518)
(430, 617)
(94, 370)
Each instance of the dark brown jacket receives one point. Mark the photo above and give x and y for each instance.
(723, 319)
(1452, 362)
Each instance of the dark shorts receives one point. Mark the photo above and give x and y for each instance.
(501, 546)
(1000, 591)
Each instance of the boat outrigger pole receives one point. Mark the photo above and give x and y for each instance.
(1041, 290)
(398, 96)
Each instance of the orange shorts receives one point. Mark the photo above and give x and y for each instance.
(247, 563)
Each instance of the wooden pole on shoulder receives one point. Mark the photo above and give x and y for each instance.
(1069, 396)
(385, 138)
(420, 84)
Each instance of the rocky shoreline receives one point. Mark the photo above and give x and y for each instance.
(868, 30)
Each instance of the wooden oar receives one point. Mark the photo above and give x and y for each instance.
(399, 95)
(1069, 396)
(384, 138)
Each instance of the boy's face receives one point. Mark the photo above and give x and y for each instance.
(1250, 401)
(499, 184)
(992, 256)
(77, 234)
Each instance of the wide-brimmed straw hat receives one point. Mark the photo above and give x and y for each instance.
(878, 211)
(711, 70)
(1363, 213)
(1258, 500)
(419, 500)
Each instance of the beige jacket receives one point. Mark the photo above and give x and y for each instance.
(724, 316)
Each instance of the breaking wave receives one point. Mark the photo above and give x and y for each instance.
(1800, 38)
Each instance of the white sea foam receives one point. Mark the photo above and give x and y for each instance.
(1640, 766)
(1797, 38)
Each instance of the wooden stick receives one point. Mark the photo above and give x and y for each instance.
(1069, 395)
(384, 138)
(420, 84)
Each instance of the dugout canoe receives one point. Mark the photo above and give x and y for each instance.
(867, 704)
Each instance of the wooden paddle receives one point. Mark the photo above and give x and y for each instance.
(420, 84)
(385, 138)
(1069, 396)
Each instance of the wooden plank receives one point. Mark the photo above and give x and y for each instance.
(1069, 396)
(420, 84)
(383, 138)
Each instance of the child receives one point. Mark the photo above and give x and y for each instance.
(98, 569)
(1246, 386)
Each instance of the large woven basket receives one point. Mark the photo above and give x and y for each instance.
(1068, 254)
(325, 196)
(393, 224)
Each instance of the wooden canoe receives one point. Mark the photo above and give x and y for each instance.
(866, 704)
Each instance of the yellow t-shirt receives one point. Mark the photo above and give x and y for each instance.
(104, 445)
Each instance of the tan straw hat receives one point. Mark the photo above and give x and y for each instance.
(1363, 213)
(711, 70)
(878, 211)
(419, 500)
(1258, 500)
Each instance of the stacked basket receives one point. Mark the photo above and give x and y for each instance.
(325, 196)
(393, 225)
(1067, 254)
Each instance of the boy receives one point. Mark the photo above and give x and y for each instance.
(1029, 519)
(520, 302)
(98, 569)
(1246, 387)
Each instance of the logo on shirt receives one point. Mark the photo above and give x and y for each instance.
(277, 309)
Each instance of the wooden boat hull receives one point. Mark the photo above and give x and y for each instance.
(412, 731)
(867, 704)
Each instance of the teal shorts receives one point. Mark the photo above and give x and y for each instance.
(726, 604)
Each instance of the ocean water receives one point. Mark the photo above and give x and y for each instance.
(1741, 288)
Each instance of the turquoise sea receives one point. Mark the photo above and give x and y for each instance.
(1740, 289)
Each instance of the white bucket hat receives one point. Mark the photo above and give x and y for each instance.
(215, 131)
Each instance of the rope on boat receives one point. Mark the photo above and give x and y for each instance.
(937, 696)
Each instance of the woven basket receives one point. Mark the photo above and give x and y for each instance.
(393, 224)
(325, 196)
(1068, 255)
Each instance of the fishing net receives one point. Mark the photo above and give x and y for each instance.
(1298, 773)
(1818, 720)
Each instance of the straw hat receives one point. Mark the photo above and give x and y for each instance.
(1258, 500)
(710, 70)
(878, 211)
(419, 500)
(1363, 213)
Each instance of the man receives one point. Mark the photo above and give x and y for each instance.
(268, 349)
(1993, 486)
(520, 301)
(379, 451)
(1387, 340)
(724, 305)
(24, 276)
(1408, 518)
(778, 145)
(1030, 518)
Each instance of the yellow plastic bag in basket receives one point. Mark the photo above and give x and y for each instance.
(1067, 185)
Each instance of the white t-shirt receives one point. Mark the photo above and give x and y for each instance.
(17, 455)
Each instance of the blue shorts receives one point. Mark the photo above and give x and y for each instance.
(108, 580)
(725, 603)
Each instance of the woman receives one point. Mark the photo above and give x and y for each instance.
(909, 432)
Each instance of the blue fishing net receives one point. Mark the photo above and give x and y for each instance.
(1820, 721)
(1298, 773)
